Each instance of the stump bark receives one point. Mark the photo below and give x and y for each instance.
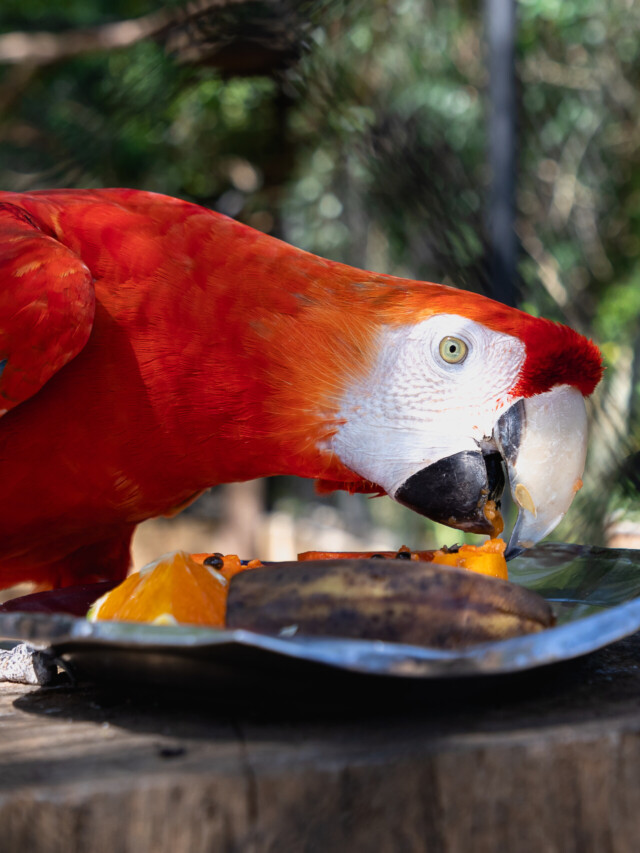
(545, 761)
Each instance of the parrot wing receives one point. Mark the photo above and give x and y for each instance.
(47, 305)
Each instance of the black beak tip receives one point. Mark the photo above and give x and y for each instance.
(513, 551)
(455, 490)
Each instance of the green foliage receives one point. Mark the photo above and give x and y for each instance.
(371, 149)
(42, 15)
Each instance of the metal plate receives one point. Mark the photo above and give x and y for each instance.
(595, 593)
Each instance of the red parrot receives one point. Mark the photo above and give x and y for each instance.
(150, 348)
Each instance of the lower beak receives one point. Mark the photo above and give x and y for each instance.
(542, 442)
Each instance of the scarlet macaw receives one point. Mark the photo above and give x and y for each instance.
(150, 348)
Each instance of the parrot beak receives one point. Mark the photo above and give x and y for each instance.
(542, 442)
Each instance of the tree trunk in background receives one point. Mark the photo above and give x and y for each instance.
(243, 516)
(500, 22)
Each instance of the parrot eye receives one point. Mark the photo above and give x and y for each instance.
(453, 350)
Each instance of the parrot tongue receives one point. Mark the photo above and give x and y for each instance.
(455, 490)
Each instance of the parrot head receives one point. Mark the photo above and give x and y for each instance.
(461, 395)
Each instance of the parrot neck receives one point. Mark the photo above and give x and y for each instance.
(230, 350)
(280, 335)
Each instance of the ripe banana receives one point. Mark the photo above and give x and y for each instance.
(413, 602)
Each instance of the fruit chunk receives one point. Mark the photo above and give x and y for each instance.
(413, 602)
(486, 559)
(492, 513)
(227, 564)
(173, 589)
(192, 589)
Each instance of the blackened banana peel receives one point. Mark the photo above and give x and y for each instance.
(416, 603)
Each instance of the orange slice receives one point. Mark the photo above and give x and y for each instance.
(173, 589)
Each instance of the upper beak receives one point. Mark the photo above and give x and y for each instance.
(542, 442)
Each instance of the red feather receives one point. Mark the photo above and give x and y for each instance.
(215, 354)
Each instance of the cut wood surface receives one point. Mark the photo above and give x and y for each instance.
(545, 761)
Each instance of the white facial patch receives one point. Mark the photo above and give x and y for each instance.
(415, 408)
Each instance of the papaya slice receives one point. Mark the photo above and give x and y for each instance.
(486, 559)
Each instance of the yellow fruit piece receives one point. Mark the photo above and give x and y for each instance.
(173, 589)
(486, 559)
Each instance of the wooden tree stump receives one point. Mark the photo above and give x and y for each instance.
(545, 761)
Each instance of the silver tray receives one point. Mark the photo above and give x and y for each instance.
(595, 593)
